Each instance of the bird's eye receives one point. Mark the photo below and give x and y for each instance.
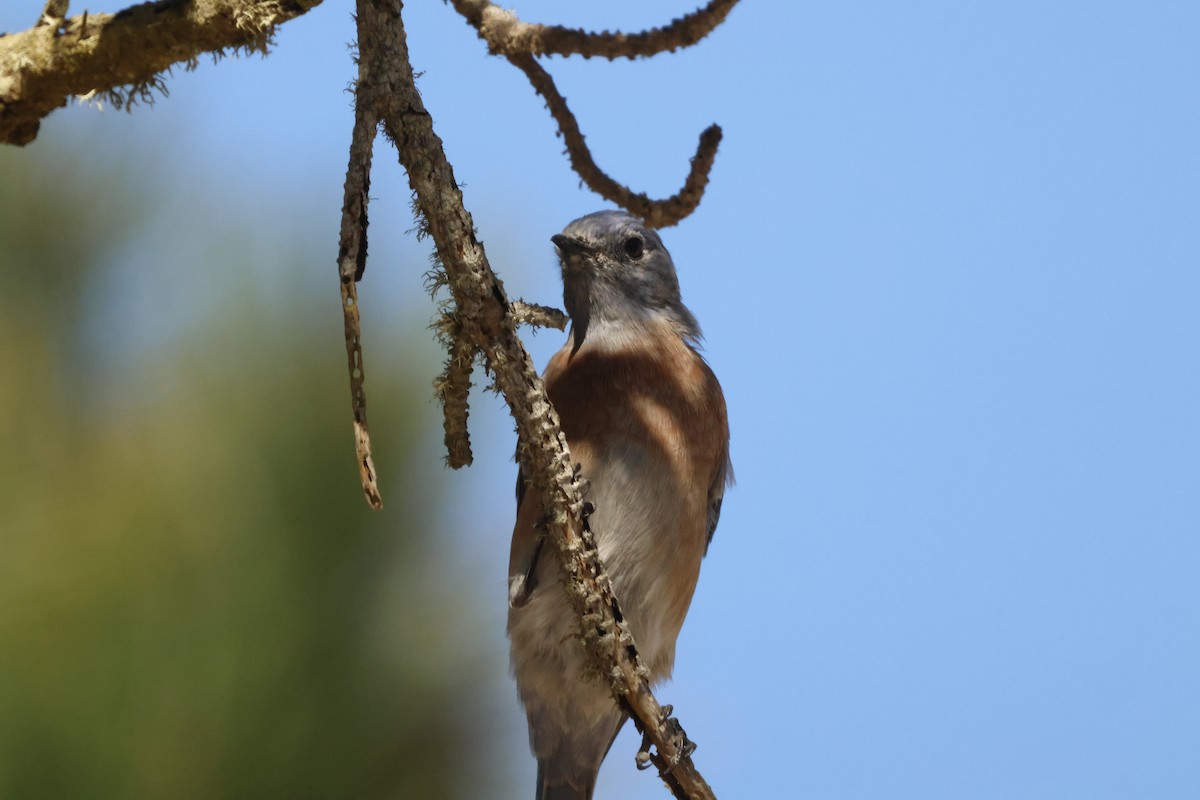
(635, 246)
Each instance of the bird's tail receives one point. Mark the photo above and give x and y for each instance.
(553, 787)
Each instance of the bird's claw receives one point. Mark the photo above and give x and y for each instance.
(642, 758)
(684, 747)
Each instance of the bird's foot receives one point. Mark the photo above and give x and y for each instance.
(684, 747)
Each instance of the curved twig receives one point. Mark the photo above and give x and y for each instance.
(520, 41)
(658, 213)
(508, 35)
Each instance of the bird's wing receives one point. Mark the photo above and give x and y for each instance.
(716, 494)
(528, 538)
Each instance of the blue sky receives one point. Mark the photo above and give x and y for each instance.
(948, 268)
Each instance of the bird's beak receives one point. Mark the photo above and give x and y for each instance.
(569, 245)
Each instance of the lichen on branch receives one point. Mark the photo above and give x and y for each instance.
(123, 57)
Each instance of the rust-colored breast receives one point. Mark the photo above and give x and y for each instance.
(655, 408)
(660, 393)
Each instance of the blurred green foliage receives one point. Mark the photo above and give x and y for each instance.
(195, 601)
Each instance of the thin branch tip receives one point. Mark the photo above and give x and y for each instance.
(538, 316)
(453, 387)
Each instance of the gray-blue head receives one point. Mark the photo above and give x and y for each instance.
(617, 272)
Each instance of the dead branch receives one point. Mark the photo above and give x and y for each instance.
(121, 57)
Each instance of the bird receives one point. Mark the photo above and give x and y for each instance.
(646, 421)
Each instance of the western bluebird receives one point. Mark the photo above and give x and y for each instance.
(645, 417)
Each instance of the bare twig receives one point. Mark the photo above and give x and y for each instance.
(352, 260)
(453, 387)
(658, 213)
(505, 34)
(482, 309)
(538, 316)
(120, 56)
(362, 435)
